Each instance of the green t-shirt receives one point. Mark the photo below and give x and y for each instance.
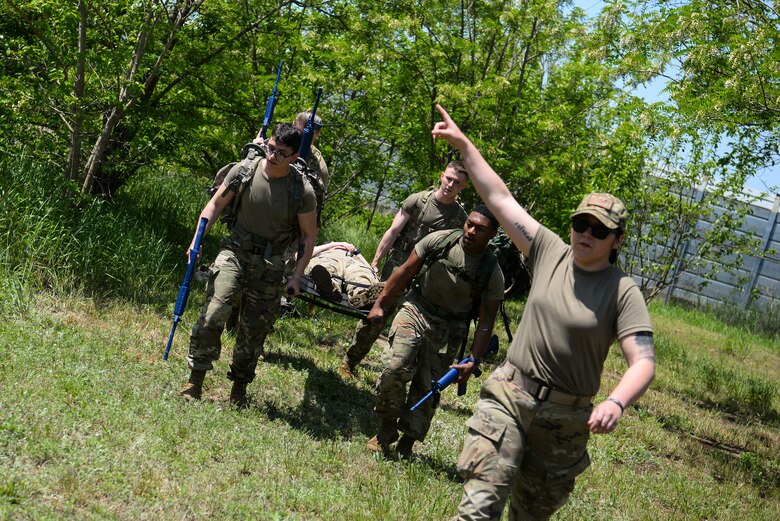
(264, 209)
(572, 317)
(428, 214)
(450, 292)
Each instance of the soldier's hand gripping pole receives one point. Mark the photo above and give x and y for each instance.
(437, 386)
(184, 289)
(270, 105)
(308, 131)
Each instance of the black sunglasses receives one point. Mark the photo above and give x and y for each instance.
(598, 230)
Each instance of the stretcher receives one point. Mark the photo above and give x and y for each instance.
(310, 295)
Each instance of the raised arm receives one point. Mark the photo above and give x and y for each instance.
(517, 223)
(399, 221)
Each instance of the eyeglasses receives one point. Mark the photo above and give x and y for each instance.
(272, 150)
(598, 230)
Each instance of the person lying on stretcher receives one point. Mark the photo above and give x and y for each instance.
(338, 268)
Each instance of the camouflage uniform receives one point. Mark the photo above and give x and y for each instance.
(258, 283)
(356, 273)
(426, 215)
(426, 334)
(421, 349)
(316, 163)
(249, 269)
(515, 441)
(529, 432)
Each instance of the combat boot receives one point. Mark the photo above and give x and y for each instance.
(324, 284)
(387, 435)
(193, 389)
(346, 370)
(238, 395)
(365, 298)
(404, 447)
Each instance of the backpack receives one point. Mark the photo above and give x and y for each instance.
(517, 275)
(307, 170)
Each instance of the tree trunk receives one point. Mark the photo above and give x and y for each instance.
(381, 186)
(97, 155)
(74, 155)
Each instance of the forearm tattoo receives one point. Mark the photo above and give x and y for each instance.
(644, 341)
(522, 229)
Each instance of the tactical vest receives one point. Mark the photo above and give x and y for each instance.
(478, 283)
(253, 154)
(414, 230)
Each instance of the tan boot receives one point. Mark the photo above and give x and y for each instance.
(387, 435)
(238, 395)
(193, 389)
(346, 370)
(324, 283)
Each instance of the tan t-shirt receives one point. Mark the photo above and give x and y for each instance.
(450, 292)
(265, 208)
(572, 317)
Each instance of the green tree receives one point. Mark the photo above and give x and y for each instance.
(717, 129)
(112, 86)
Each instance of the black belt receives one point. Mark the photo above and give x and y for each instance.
(267, 248)
(545, 393)
(264, 247)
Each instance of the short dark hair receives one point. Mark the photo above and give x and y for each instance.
(287, 135)
(458, 167)
(482, 209)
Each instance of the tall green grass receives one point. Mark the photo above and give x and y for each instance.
(54, 239)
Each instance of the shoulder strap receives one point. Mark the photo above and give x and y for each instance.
(439, 251)
(294, 192)
(412, 230)
(246, 171)
(485, 271)
(422, 205)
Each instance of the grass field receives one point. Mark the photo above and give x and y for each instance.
(91, 427)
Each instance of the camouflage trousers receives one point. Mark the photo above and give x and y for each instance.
(257, 284)
(516, 443)
(356, 274)
(421, 349)
(364, 338)
(366, 334)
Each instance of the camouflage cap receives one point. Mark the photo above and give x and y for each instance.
(606, 208)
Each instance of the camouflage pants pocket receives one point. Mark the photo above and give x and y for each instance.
(488, 462)
(222, 290)
(482, 457)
